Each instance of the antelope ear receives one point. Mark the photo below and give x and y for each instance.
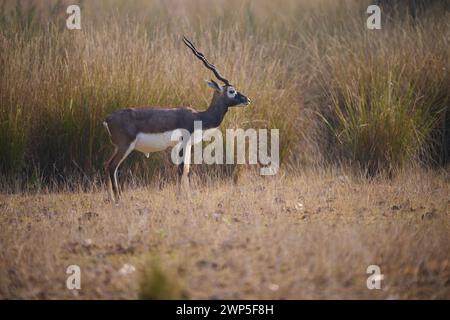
(214, 85)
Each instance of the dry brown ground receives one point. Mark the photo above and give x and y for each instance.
(309, 236)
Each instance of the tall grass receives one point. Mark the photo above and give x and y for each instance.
(388, 96)
(336, 90)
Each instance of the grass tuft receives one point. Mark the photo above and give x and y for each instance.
(159, 284)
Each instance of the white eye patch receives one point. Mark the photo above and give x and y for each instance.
(231, 92)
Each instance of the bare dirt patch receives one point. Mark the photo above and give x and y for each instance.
(310, 236)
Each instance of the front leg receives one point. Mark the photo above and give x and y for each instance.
(180, 170)
(183, 168)
(185, 177)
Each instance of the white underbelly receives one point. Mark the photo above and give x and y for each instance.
(153, 142)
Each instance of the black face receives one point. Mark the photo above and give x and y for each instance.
(234, 97)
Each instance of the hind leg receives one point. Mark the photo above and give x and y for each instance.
(112, 167)
(109, 178)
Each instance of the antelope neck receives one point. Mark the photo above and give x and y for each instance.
(213, 116)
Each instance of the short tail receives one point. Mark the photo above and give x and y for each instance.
(105, 124)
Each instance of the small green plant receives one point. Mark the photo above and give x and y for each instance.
(159, 284)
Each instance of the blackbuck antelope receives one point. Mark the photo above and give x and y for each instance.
(149, 129)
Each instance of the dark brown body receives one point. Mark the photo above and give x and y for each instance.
(125, 124)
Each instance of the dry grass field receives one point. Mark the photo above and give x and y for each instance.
(364, 122)
(299, 237)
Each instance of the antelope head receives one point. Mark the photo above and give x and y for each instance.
(226, 92)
